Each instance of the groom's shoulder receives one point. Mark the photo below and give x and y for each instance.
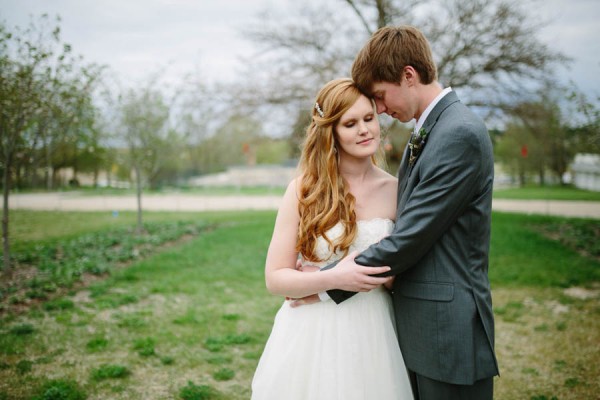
(461, 124)
(462, 117)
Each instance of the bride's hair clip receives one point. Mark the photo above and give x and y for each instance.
(319, 109)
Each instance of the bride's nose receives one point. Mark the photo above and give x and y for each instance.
(362, 128)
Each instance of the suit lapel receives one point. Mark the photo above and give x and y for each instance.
(403, 173)
(433, 118)
(437, 111)
(405, 169)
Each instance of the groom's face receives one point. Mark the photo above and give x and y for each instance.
(394, 99)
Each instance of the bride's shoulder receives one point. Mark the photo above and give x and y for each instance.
(294, 186)
(383, 174)
(386, 179)
(292, 190)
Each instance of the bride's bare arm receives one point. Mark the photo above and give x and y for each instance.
(281, 276)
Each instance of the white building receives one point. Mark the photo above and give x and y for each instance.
(586, 171)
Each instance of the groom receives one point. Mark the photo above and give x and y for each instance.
(439, 247)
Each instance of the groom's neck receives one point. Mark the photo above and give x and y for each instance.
(426, 94)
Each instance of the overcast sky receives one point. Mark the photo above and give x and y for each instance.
(137, 36)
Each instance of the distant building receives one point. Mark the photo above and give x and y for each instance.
(248, 176)
(586, 171)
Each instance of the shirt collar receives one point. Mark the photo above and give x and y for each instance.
(425, 114)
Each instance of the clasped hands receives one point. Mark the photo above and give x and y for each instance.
(349, 276)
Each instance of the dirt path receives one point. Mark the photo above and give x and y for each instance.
(74, 201)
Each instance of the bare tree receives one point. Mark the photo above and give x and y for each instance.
(383, 12)
(297, 52)
(487, 49)
(197, 113)
(22, 55)
(587, 126)
(144, 121)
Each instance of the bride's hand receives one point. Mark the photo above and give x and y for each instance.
(389, 285)
(357, 278)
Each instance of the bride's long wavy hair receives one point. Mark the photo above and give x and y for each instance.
(323, 195)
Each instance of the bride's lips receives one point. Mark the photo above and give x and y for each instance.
(366, 141)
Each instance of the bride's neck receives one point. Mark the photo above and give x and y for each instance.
(356, 172)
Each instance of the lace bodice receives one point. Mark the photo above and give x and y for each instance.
(368, 232)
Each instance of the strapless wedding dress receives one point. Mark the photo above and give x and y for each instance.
(329, 351)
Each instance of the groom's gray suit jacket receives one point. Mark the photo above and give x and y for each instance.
(439, 250)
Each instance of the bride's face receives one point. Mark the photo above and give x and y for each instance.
(358, 131)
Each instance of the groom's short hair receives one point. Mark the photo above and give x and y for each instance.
(388, 51)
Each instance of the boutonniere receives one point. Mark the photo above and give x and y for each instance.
(416, 144)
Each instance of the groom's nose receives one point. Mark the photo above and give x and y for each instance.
(380, 107)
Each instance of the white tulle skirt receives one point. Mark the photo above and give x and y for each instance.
(329, 351)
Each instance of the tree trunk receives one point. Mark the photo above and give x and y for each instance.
(138, 184)
(18, 173)
(5, 237)
(522, 180)
(542, 176)
(75, 168)
(55, 178)
(32, 176)
(95, 176)
(48, 173)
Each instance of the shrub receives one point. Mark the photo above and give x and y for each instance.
(237, 339)
(144, 347)
(231, 317)
(22, 329)
(214, 344)
(167, 360)
(224, 374)
(60, 389)
(110, 371)
(24, 366)
(218, 359)
(59, 304)
(96, 344)
(197, 392)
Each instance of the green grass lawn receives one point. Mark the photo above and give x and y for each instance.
(520, 255)
(190, 321)
(551, 192)
(530, 192)
(27, 228)
(201, 191)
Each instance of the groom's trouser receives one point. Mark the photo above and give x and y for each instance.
(429, 389)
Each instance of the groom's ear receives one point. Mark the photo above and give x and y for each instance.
(410, 75)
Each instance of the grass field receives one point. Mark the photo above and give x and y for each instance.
(550, 192)
(200, 191)
(530, 192)
(190, 321)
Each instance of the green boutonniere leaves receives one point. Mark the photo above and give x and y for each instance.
(416, 144)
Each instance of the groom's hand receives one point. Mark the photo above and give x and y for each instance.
(357, 278)
(312, 299)
(306, 267)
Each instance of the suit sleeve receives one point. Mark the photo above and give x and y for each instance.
(448, 180)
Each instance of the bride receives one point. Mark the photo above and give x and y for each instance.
(340, 204)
